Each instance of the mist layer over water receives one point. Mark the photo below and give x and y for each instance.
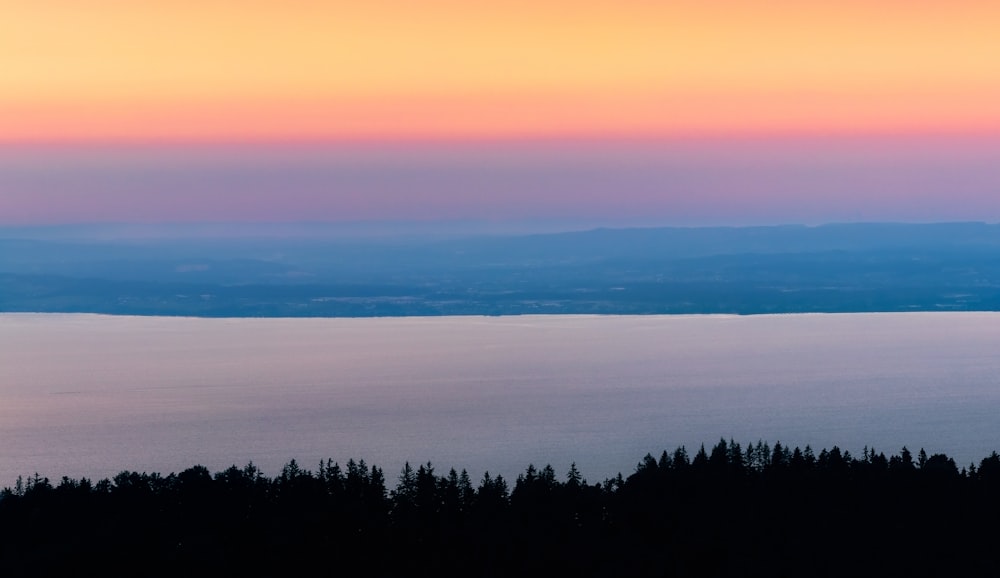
(88, 395)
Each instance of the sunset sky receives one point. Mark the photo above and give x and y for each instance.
(679, 112)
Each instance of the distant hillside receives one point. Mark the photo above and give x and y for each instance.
(745, 270)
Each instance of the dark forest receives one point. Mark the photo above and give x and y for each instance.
(726, 511)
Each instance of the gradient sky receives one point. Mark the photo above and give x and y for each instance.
(681, 112)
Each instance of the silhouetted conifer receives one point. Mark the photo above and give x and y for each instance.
(752, 511)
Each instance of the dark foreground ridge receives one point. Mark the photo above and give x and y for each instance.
(730, 511)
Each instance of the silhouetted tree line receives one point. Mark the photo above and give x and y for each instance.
(728, 511)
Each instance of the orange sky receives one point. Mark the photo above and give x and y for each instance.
(237, 70)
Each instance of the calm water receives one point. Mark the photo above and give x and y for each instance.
(88, 395)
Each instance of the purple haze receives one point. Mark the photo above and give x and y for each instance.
(732, 182)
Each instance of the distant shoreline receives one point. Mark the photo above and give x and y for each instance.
(847, 268)
(26, 314)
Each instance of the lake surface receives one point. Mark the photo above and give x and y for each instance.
(91, 395)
